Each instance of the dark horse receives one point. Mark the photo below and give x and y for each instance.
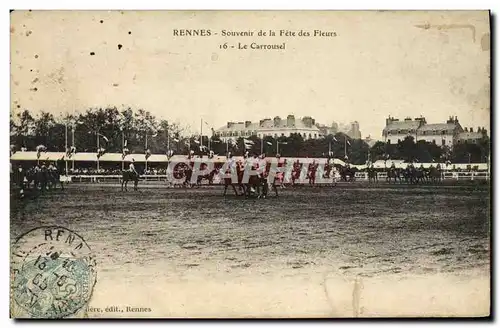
(393, 174)
(54, 178)
(347, 174)
(129, 176)
(208, 176)
(372, 174)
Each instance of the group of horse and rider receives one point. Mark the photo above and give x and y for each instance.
(41, 177)
(46, 176)
(409, 174)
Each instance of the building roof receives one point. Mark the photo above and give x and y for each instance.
(239, 126)
(32, 156)
(470, 135)
(268, 125)
(402, 125)
(438, 127)
(84, 157)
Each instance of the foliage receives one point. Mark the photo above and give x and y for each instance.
(141, 130)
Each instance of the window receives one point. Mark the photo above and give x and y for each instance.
(443, 142)
(309, 136)
(434, 141)
(304, 135)
(275, 135)
(282, 134)
(315, 136)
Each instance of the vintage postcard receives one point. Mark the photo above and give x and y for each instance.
(250, 164)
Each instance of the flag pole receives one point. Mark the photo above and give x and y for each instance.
(168, 140)
(201, 133)
(345, 147)
(66, 146)
(98, 151)
(262, 145)
(73, 145)
(123, 149)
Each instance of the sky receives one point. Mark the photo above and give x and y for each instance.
(380, 63)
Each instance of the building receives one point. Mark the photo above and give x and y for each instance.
(442, 134)
(276, 127)
(369, 141)
(396, 130)
(471, 137)
(334, 127)
(326, 130)
(354, 132)
(351, 130)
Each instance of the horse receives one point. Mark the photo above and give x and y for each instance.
(54, 178)
(393, 173)
(255, 182)
(435, 175)
(372, 175)
(347, 174)
(208, 176)
(228, 181)
(129, 176)
(274, 185)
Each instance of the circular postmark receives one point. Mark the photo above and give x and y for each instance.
(53, 273)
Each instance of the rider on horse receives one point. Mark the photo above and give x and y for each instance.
(131, 167)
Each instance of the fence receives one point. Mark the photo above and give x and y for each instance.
(464, 176)
(360, 176)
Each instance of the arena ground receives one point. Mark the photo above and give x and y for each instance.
(342, 251)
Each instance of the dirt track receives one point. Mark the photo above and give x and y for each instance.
(194, 234)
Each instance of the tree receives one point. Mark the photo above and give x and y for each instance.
(407, 149)
(295, 144)
(378, 151)
(359, 152)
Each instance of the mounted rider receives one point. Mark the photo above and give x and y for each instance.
(131, 167)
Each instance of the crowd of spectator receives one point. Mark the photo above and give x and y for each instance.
(107, 171)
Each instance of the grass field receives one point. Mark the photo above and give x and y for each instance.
(193, 234)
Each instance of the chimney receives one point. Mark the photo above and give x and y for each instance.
(307, 120)
(465, 129)
(290, 121)
(261, 122)
(277, 121)
(247, 123)
(229, 124)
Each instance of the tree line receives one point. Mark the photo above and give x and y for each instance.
(140, 131)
